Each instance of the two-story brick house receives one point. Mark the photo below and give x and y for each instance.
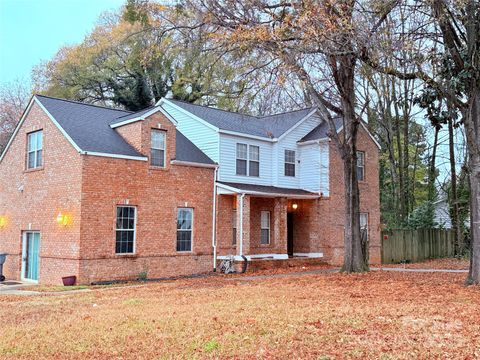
(107, 194)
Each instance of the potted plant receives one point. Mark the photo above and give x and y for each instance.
(69, 280)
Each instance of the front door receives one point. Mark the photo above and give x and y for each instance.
(31, 255)
(290, 234)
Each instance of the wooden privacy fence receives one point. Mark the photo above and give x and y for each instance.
(416, 245)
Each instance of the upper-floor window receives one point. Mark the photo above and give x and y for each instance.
(157, 151)
(125, 229)
(184, 229)
(248, 160)
(35, 150)
(360, 165)
(289, 163)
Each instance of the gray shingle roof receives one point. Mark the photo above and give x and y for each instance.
(269, 189)
(89, 127)
(322, 130)
(187, 151)
(131, 115)
(272, 126)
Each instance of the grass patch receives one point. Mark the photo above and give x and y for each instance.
(328, 316)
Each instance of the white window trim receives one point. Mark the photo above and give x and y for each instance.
(294, 163)
(366, 225)
(164, 133)
(363, 164)
(238, 158)
(191, 240)
(262, 228)
(234, 227)
(134, 230)
(247, 159)
(35, 151)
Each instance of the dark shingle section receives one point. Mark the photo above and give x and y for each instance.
(187, 151)
(89, 125)
(131, 115)
(268, 189)
(322, 130)
(272, 126)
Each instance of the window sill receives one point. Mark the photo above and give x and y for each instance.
(33, 170)
(130, 255)
(160, 168)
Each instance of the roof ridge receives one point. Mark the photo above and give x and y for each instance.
(213, 108)
(83, 103)
(259, 117)
(287, 112)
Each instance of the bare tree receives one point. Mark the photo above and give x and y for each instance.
(319, 42)
(13, 100)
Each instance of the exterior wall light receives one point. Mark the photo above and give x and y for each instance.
(62, 219)
(294, 206)
(3, 221)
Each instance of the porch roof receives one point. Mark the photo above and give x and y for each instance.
(265, 191)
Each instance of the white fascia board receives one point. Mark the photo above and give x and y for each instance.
(194, 164)
(144, 116)
(70, 140)
(371, 136)
(22, 120)
(234, 133)
(206, 123)
(264, 194)
(17, 128)
(298, 124)
(115, 156)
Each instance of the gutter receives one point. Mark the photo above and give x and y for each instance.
(214, 220)
(191, 163)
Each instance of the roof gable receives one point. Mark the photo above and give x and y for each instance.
(268, 127)
(87, 128)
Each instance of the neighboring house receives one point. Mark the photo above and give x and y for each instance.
(441, 215)
(107, 194)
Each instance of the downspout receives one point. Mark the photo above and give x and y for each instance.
(241, 223)
(214, 220)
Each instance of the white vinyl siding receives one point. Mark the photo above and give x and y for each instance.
(324, 168)
(289, 142)
(309, 173)
(203, 136)
(228, 160)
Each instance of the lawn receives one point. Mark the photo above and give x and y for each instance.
(380, 315)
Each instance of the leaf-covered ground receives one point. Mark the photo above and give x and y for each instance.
(378, 315)
(447, 263)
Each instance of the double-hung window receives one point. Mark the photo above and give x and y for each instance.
(157, 151)
(125, 229)
(35, 150)
(242, 159)
(253, 161)
(289, 163)
(265, 227)
(360, 165)
(248, 160)
(364, 226)
(184, 229)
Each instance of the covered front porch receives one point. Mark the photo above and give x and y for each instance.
(265, 222)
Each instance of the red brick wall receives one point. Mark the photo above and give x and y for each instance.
(157, 193)
(46, 192)
(332, 217)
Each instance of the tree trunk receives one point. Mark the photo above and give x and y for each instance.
(431, 175)
(454, 194)
(355, 259)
